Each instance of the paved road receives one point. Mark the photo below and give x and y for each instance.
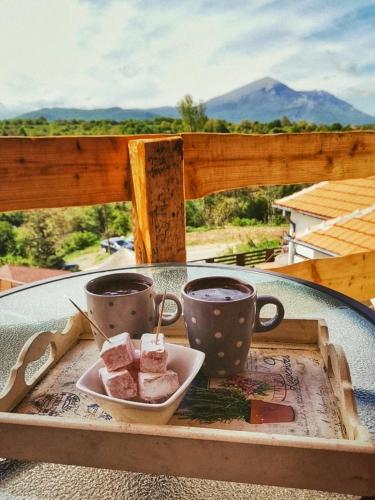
(126, 257)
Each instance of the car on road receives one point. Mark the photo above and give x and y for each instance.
(70, 266)
(116, 243)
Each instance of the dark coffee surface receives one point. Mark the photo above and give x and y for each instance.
(114, 288)
(219, 291)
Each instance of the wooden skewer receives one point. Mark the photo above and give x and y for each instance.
(160, 316)
(89, 320)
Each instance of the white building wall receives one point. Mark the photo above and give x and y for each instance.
(303, 223)
(303, 253)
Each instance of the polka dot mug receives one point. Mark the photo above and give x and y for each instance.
(126, 302)
(221, 314)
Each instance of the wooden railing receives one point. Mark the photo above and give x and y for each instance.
(249, 259)
(352, 275)
(45, 172)
(158, 173)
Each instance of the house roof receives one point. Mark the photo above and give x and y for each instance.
(344, 235)
(328, 200)
(25, 274)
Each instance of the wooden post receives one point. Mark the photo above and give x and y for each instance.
(240, 259)
(270, 255)
(158, 199)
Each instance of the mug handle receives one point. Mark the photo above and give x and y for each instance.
(168, 319)
(268, 325)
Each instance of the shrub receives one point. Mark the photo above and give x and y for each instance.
(7, 238)
(242, 222)
(79, 241)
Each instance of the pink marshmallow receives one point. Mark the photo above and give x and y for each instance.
(133, 370)
(137, 359)
(153, 355)
(118, 384)
(156, 387)
(118, 353)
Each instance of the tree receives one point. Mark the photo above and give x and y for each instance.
(119, 218)
(14, 218)
(336, 126)
(214, 125)
(42, 237)
(193, 115)
(7, 239)
(195, 213)
(285, 122)
(245, 126)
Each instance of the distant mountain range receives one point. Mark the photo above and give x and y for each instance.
(116, 114)
(263, 100)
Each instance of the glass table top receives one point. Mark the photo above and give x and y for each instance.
(45, 306)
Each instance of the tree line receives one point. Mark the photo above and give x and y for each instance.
(41, 127)
(192, 119)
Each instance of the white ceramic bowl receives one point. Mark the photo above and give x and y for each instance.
(186, 362)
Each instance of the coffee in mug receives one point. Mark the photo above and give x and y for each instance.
(221, 314)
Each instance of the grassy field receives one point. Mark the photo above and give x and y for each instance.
(235, 235)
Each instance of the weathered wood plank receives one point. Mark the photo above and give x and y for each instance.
(218, 162)
(251, 457)
(352, 275)
(158, 200)
(46, 172)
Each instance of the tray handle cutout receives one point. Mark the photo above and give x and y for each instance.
(17, 387)
(339, 375)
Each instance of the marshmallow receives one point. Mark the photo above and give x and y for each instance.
(156, 387)
(153, 355)
(137, 359)
(118, 353)
(118, 384)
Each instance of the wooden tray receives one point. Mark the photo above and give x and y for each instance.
(46, 419)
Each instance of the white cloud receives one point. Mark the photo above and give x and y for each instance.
(134, 53)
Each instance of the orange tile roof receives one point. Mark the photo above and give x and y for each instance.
(345, 234)
(25, 274)
(327, 200)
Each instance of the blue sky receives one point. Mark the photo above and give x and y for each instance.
(144, 53)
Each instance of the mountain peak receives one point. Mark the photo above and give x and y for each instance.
(268, 99)
(253, 90)
(266, 83)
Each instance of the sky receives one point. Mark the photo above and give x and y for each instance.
(147, 53)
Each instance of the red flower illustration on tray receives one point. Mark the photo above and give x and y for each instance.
(269, 386)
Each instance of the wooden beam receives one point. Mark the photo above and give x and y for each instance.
(352, 275)
(46, 172)
(248, 457)
(218, 162)
(158, 200)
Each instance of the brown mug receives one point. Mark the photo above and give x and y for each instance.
(221, 314)
(126, 302)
